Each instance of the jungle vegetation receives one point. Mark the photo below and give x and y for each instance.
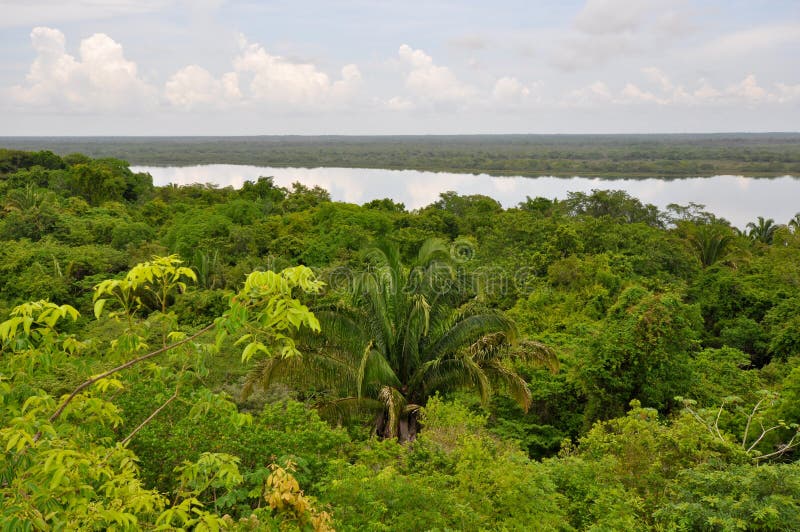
(606, 156)
(202, 358)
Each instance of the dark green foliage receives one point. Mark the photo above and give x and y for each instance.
(281, 431)
(763, 231)
(612, 156)
(643, 353)
(639, 306)
(740, 498)
(106, 180)
(615, 204)
(302, 198)
(455, 476)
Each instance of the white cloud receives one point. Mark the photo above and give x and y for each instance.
(633, 94)
(101, 79)
(787, 93)
(510, 91)
(193, 86)
(657, 76)
(400, 104)
(431, 83)
(748, 91)
(260, 78)
(593, 94)
(705, 91)
(277, 80)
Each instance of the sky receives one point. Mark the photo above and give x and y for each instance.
(217, 67)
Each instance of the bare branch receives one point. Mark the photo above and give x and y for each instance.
(150, 417)
(764, 432)
(782, 449)
(750, 419)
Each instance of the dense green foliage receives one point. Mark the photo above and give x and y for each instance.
(611, 156)
(139, 325)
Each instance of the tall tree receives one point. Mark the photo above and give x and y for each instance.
(710, 242)
(402, 335)
(763, 230)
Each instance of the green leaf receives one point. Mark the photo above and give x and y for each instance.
(251, 349)
(57, 476)
(98, 307)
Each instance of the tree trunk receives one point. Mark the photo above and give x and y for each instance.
(407, 427)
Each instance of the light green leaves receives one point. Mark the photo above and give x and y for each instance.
(268, 312)
(37, 319)
(158, 278)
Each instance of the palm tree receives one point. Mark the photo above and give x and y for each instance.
(711, 243)
(402, 335)
(763, 231)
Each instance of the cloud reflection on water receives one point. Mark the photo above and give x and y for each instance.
(738, 199)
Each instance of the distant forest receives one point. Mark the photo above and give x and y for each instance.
(605, 156)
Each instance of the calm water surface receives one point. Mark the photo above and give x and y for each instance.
(738, 199)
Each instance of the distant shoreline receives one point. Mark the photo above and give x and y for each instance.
(639, 156)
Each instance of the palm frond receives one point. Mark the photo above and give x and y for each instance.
(378, 373)
(362, 369)
(537, 353)
(470, 329)
(433, 249)
(489, 345)
(450, 374)
(342, 329)
(479, 378)
(377, 311)
(517, 386)
(318, 369)
(344, 409)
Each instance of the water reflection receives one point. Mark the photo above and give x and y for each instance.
(738, 199)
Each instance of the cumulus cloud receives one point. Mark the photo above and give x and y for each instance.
(746, 92)
(194, 86)
(431, 83)
(400, 104)
(101, 78)
(632, 93)
(261, 78)
(787, 93)
(275, 79)
(595, 93)
(509, 91)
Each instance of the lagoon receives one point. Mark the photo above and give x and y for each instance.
(738, 199)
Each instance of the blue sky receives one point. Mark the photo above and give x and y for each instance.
(170, 67)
